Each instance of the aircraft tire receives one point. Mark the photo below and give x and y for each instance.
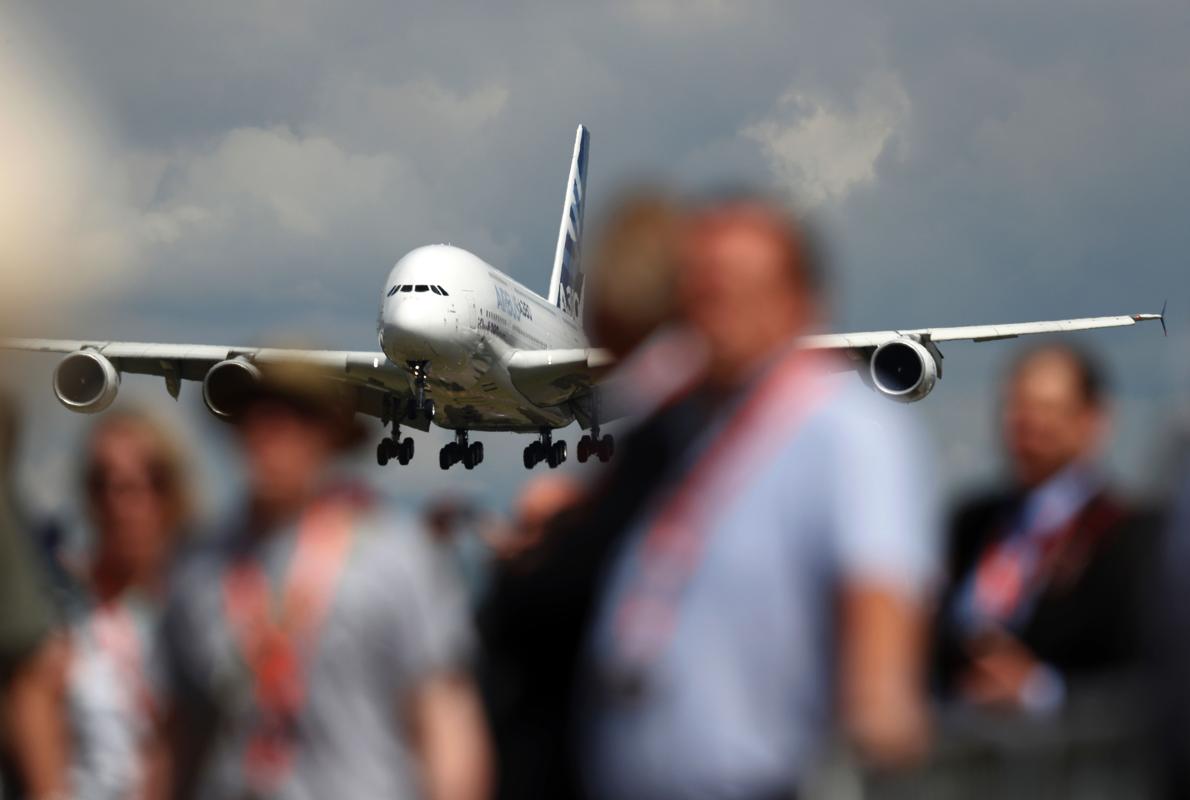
(405, 451)
(557, 455)
(606, 448)
(444, 458)
(382, 453)
(477, 452)
(584, 449)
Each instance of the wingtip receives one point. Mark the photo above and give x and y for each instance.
(1159, 317)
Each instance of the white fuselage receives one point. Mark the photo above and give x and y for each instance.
(465, 334)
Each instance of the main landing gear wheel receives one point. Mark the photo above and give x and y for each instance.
(602, 447)
(399, 449)
(547, 450)
(393, 446)
(470, 453)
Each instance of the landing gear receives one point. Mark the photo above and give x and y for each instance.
(470, 453)
(393, 446)
(400, 449)
(420, 403)
(602, 447)
(547, 450)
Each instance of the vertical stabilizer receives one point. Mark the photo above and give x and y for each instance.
(566, 282)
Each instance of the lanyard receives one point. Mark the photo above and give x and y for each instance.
(1016, 571)
(673, 546)
(277, 635)
(115, 633)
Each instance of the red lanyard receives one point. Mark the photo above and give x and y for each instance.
(277, 637)
(673, 546)
(116, 635)
(1007, 579)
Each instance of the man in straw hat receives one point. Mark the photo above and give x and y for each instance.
(319, 647)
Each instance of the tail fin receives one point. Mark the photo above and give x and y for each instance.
(566, 283)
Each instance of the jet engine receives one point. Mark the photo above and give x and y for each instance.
(86, 382)
(904, 370)
(225, 382)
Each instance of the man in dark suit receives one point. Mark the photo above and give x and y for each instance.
(1046, 575)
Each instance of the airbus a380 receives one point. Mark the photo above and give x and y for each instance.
(465, 347)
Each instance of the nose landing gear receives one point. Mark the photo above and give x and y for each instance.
(470, 453)
(420, 403)
(547, 450)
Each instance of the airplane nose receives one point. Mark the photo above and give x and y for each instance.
(414, 331)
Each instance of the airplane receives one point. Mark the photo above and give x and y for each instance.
(465, 347)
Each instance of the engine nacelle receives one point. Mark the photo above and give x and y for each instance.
(904, 370)
(225, 383)
(86, 382)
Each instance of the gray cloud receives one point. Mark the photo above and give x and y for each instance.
(269, 161)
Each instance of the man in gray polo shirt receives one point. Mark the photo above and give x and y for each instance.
(775, 581)
(320, 647)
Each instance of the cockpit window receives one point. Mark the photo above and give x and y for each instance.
(443, 292)
(435, 289)
(393, 291)
(421, 287)
(406, 288)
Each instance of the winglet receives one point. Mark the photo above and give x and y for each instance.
(1159, 317)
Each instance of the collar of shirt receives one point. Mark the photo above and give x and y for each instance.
(1047, 509)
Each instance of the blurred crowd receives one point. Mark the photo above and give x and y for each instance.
(762, 576)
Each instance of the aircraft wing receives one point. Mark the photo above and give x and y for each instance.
(973, 333)
(367, 378)
(553, 377)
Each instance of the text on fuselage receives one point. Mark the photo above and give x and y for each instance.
(512, 305)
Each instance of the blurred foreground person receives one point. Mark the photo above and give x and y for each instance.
(1046, 574)
(319, 648)
(632, 307)
(1170, 631)
(32, 656)
(754, 567)
(137, 497)
(541, 500)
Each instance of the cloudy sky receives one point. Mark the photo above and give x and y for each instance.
(223, 170)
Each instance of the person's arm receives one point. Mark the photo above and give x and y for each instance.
(33, 662)
(882, 673)
(449, 737)
(186, 721)
(35, 702)
(886, 530)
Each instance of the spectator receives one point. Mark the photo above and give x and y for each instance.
(1169, 652)
(137, 490)
(724, 573)
(631, 307)
(541, 500)
(32, 656)
(459, 527)
(1046, 574)
(319, 648)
